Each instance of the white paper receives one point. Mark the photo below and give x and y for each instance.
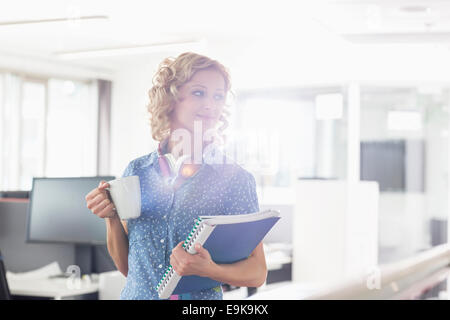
(41, 273)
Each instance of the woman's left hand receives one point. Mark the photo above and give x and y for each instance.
(186, 264)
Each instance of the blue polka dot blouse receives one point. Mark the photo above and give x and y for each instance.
(167, 216)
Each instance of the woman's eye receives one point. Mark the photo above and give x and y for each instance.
(198, 93)
(201, 93)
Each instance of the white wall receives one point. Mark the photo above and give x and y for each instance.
(436, 165)
(335, 238)
(130, 128)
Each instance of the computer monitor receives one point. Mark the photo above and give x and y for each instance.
(57, 211)
(4, 289)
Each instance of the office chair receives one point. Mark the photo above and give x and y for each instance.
(4, 289)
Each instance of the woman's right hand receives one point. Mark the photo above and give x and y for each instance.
(98, 202)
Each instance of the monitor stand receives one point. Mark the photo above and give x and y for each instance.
(84, 258)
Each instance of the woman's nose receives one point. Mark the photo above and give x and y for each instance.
(211, 103)
(208, 103)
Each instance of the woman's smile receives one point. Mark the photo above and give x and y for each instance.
(205, 117)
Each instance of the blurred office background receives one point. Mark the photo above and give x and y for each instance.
(340, 110)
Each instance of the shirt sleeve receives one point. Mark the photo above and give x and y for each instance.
(128, 170)
(242, 198)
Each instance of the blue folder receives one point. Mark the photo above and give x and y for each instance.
(228, 243)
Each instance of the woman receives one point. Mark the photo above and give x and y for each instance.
(187, 101)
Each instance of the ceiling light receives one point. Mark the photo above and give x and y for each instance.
(416, 9)
(71, 19)
(192, 45)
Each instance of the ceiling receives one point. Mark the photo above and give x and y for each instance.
(224, 29)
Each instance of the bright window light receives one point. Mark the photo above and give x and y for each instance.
(404, 121)
(329, 106)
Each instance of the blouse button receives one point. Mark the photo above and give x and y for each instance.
(160, 266)
(162, 240)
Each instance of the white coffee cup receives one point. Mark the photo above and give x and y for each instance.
(126, 195)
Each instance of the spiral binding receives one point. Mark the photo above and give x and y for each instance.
(196, 229)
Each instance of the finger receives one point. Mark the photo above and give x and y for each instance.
(92, 194)
(200, 250)
(95, 194)
(174, 263)
(176, 251)
(181, 251)
(179, 265)
(178, 247)
(107, 212)
(182, 256)
(102, 205)
(198, 247)
(96, 200)
(173, 260)
(103, 186)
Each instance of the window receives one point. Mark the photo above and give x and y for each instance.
(31, 132)
(404, 146)
(288, 135)
(48, 128)
(71, 129)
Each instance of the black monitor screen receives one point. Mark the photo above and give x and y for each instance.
(58, 213)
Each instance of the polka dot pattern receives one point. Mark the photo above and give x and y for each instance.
(168, 215)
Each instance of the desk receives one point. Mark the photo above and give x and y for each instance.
(56, 289)
(277, 263)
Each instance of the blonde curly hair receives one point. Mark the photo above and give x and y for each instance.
(171, 75)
